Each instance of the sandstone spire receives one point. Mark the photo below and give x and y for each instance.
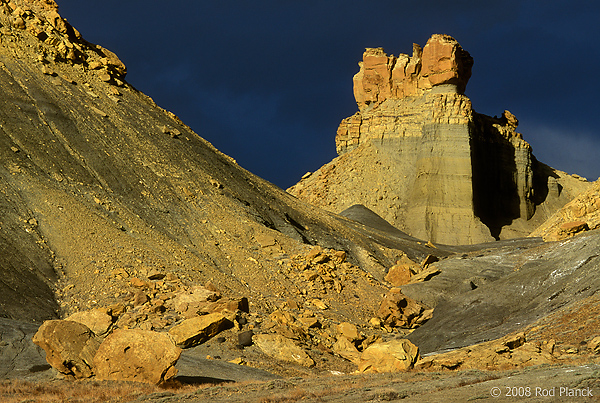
(441, 61)
(418, 154)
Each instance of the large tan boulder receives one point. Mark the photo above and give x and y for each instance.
(97, 320)
(192, 301)
(70, 347)
(348, 330)
(391, 356)
(137, 355)
(282, 348)
(402, 271)
(194, 331)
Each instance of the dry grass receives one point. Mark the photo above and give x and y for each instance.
(17, 391)
(293, 395)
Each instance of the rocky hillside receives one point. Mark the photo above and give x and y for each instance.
(99, 184)
(419, 155)
(580, 214)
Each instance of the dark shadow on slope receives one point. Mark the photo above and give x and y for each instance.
(363, 215)
(200, 380)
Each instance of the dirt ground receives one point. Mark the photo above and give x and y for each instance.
(561, 383)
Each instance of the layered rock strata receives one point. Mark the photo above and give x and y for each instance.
(418, 154)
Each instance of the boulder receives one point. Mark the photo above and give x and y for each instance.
(226, 304)
(137, 355)
(282, 348)
(140, 298)
(392, 356)
(245, 338)
(97, 320)
(594, 345)
(70, 347)
(346, 349)
(348, 330)
(319, 303)
(195, 331)
(398, 275)
(197, 298)
(398, 310)
(309, 322)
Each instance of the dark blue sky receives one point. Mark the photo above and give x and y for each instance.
(268, 82)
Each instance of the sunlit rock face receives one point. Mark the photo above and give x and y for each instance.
(418, 154)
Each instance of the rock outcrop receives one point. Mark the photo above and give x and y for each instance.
(97, 320)
(417, 154)
(580, 214)
(441, 61)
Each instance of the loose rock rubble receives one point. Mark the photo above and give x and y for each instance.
(188, 316)
(579, 215)
(130, 341)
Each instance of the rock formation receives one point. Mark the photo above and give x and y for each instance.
(282, 348)
(417, 154)
(580, 214)
(393, 356)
